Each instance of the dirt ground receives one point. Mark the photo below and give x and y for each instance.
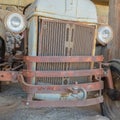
(11, 108)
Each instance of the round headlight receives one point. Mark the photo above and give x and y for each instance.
(105, 35)
(15, 23)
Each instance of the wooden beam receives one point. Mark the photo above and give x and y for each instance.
(101, 2)
(114, 20)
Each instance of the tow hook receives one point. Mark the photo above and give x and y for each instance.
(79, 93)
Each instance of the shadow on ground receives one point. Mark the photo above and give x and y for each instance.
(12, 108)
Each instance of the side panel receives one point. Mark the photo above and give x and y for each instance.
(32, 36)
(32, 41)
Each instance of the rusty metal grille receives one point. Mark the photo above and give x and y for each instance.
(61, 38)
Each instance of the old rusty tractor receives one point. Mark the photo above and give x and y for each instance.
(54, 50)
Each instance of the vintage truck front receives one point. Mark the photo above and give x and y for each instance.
(61, 67)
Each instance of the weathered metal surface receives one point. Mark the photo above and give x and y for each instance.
(61, 59)
(32, 36)
(64, 38)
(32, 40)
(79, 103)
(60, 91)
(25, 2)
(60, 53)
(64, 9)
(55, 97)
(29, 88)
(8, 76)
(75, 73)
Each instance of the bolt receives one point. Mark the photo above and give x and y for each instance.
(1, 75)
(105, 72)
(27, 103)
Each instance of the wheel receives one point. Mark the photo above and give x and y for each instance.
(112, 108)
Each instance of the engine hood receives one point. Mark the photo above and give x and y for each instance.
(75, 10)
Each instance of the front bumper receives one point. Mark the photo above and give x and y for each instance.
(68, 95)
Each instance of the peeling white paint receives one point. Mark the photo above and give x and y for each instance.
(74, 10)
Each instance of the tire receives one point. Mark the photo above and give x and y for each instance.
(111, 108)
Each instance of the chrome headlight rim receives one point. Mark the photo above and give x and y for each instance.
(10, 23)
(103, 38)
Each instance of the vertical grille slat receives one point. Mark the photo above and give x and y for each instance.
(62, 38)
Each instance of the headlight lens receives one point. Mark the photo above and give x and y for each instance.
(105, 34)
(15, 23)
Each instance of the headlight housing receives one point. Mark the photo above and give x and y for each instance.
(15, 22)
(105, 34)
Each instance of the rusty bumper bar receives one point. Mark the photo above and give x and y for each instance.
(29, 88)
(75, 73)
(71, 59)
(75, 103)
(60, 89)
(61, 93)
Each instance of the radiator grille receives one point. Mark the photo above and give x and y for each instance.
(59, 38)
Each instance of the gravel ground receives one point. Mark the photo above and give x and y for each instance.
(11, 108)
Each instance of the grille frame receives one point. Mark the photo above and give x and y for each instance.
(64, 91)
(60, 37)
